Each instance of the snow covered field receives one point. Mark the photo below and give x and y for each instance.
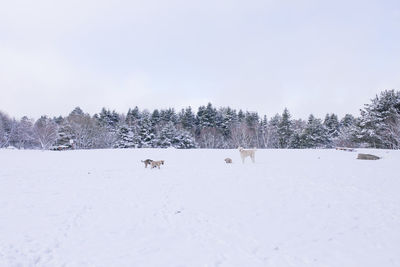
(291, 208)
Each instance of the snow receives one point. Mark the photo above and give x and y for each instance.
(291, 208)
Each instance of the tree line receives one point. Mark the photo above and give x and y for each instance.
(377, 126)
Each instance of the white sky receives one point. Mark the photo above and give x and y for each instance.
(309, 56)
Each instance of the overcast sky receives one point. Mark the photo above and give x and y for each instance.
(309, 56)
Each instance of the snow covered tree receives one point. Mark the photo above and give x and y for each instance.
(133, 116)
(45, 131)
(263, 131)
(12, 133)
(107, 123)
(285, 130)
(241, 115)
(252, 125)
(347, 132)
(229, 120)
(242, 135)
(332, 126)
(145, 135)
(79, 127)
(103, 138)
(207, 133)
(347, 121)
(210, 137)
(206, 116)
(298, 128)
(187, 119)
(184, 140)
(155, 118)
(125, 137)
(24, 133)
(5, 129)
(314, 134)
(107, 118)
(271, 134)
(394, 132)
(170, 136)
(378, 126)
(379, 120)
(64, 132)
(168, 115)
(166, 136)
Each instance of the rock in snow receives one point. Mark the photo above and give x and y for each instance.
(367, 156)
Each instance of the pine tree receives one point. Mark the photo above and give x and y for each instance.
(187, 119)
(184, 140)
(252, 124)
(297, 139)
(166, 137)
(285, 130)
(133, 116)
(229, 119)
(146, 133)
(331, 124)
(272, 138)
(170, 136)
(125, 137)
(241, 115)
(347, 132)
(108, 119)
(206, 116)
(379, 122)
(314, 134)
(208, 132)
(155, 118)
(168, 115)
(64, 132)
(347, 121)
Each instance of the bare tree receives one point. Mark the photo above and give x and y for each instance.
(208, 137)
(82, 128)
(24, 136)
(45, 131)
(242, 135)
